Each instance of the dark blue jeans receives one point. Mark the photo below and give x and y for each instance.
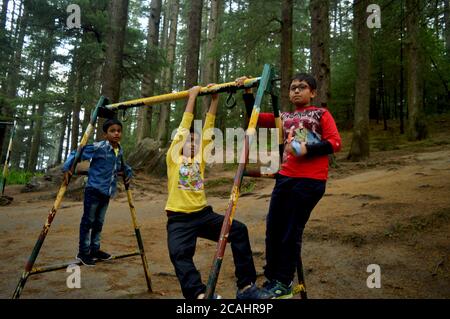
(292, 202)
(95, 206)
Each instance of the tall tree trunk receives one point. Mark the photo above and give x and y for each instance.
(19, 17)
(164, 115)
(165, 29)
(12, 81)
(203, 58)
(320, 49)
(417, 129)
(402, 82)
(3, 15)
(382, 96)
(286, 54)
(212, 60)
(59, 153)
(69, 129)
(112, 69)
(94, 88)
(36, 142)
(193, 42)
(76, 98)
(148, 83)
(360, 141)
(447, 26)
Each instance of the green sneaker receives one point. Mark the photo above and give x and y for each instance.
(278, 289)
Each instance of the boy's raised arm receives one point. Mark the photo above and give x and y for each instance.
(183, 130)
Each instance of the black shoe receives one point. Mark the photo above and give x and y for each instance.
(86, 259)
(100, 255)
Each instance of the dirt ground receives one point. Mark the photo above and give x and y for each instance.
(392, 210)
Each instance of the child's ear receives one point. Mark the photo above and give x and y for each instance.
(313, 93)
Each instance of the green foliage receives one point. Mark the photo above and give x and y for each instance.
(20, 177)
(249, 37)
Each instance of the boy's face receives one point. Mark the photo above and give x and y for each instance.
(114, 134)
(191, 145)
(300, 94)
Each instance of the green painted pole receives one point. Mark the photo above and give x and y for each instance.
(264, 86)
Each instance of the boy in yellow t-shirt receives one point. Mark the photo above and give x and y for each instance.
(189, 215)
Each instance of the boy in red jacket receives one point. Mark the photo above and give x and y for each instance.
(310, 134)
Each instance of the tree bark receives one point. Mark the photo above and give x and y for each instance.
(62, 134)
(402, 82)
(36, 142)
(148, 84)
(164, 115)
(212, 59)
(112, 69)
(286, 54)
(360, 141)
(3, 15)
(320, 50)
(78, 74)
(193, 42)
(13, 79)
(417, 129)
(447, 26)
(69, 129)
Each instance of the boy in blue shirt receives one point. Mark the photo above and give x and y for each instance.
(106, 164)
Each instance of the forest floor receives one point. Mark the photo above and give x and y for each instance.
(392, 210)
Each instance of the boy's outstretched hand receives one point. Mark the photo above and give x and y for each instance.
(214, 96)
(194, 91)
(240, 82)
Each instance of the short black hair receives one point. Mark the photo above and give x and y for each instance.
(110, 122)
(308, 78)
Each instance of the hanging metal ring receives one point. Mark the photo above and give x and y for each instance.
(231, 101)
(124, 116)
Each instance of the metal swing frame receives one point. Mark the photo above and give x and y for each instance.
(105, 110)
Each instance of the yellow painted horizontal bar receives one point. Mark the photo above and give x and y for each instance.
(223, 87)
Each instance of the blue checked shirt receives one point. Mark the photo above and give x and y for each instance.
(105, 165)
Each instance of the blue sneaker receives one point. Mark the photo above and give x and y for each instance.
(278, 290)
(253, 292)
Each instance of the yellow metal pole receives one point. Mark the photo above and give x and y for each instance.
(138, 235)
(223, 87)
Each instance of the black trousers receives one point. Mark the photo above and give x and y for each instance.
(291, 204)
(182, 233)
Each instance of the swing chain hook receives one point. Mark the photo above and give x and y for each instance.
(231, 100)
(124, 116)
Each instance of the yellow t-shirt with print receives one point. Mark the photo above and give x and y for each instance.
(186, 193)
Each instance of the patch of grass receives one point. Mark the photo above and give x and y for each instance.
(16, 177)
(247, 186)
